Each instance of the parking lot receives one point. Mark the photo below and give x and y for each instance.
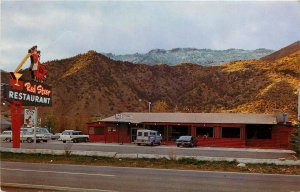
(160, 150)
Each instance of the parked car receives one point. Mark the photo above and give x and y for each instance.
(6, 136)
(56, 136)
(186, 141)
(27, 136)
(148, 137)
(42, 134)
(74, 136)
(24, 136)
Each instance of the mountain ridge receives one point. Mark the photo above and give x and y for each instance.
(206, 57)
(283, 52)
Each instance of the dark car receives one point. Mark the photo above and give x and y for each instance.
(186, 141)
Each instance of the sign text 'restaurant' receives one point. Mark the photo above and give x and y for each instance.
(32, 94)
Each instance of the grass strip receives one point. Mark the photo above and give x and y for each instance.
(182, 164)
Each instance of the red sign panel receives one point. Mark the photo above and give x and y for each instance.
(31, 94)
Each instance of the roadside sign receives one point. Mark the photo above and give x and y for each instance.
(30, 94)
(29, 117)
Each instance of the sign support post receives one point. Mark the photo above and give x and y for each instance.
(16, 117)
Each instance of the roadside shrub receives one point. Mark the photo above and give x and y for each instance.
(233, 162)
(189, 161)
(67, 149)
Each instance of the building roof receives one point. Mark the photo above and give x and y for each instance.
(224, 118)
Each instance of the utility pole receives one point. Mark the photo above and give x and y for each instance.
(149, 104)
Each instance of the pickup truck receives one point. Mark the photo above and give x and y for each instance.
(74, 136)
(148, 137)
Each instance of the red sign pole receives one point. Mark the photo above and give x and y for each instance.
(16, 122)
(16, 115)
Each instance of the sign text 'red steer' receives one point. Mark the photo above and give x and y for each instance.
(32, 94)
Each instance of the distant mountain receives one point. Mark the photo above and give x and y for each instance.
(283, 52)
(204, 57)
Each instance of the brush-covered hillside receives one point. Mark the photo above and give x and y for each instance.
(91, 86)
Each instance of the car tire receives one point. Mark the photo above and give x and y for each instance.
(75, 141)
(178, 145)
(138, 144)
(86, 140)
(64, 141)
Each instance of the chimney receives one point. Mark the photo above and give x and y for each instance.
(282, 118)
(285, 118)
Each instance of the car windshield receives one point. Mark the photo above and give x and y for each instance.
(42, 130)
(185, 138)
(66, 133)
(27, 133)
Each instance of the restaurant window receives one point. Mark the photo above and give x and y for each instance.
(231, 132)
(178, 131)
(259, 131)
(205, 132)
(111, 129)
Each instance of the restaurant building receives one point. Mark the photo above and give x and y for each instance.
(210, 129)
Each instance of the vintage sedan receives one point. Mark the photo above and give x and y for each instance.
(186, 141)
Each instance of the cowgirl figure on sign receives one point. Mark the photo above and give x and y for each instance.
(38, 70)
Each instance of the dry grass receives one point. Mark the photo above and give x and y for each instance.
(183, 164)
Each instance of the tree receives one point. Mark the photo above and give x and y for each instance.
(49, 122)
(295, 140)
(160, 106)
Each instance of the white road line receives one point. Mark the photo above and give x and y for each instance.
(50, 187)
(58, 172)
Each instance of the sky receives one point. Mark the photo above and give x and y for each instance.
(63, 29)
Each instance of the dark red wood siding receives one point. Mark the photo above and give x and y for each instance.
(281, 136)
(120, 133)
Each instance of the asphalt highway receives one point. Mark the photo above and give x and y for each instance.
(161, 150)
(53, 177)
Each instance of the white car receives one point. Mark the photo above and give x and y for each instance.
(42, 134)
(74, 136)
(6, 136)
(56, 136)
(24, 136)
